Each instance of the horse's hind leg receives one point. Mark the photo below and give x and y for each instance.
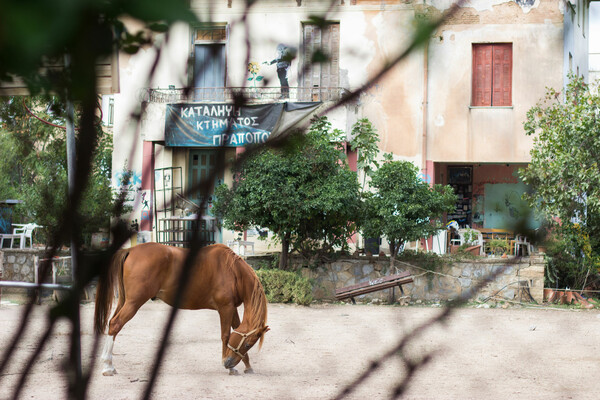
(107, 355)
(234, 324)
(122, 315)
(108, 368)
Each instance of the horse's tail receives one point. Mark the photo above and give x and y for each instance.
(105, 290)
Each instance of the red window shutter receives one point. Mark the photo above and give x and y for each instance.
(502, 84)
(482, 75)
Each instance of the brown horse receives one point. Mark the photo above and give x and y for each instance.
(219, 280)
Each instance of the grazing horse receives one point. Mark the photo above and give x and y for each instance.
(219, 280)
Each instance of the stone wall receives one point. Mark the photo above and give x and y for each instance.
(19, 265)
(450, 281)
(520, 277)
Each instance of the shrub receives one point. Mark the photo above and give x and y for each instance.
(570, 260)
(498, 246)
(427, 261)
(285, 286)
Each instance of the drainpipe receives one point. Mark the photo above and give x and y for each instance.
(425, 105)
(424, 170)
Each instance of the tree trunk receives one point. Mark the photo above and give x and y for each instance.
(285, 248)
(393, 253)
(394, 247)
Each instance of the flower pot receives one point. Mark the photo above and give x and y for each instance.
(569, 296)
(475, 250)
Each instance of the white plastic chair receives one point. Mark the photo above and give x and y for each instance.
(21, 232)
(522, 242)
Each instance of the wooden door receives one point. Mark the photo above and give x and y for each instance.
(201, 165)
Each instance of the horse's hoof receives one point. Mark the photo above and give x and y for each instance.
(233, 371)
(109, 371)
(248, 371)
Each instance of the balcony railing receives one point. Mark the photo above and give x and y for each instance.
(252, 95)
(175, 231)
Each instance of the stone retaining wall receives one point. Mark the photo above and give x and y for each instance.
(19, 265)
(448, 282)
(520, 276)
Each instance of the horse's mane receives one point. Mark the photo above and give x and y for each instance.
(257, 312)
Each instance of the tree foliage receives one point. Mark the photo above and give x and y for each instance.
(401, 206)
(37, 30)
(304, 193)
(33, 165)
(564, 168)
(285, 286)
(564, 172)
(365, 141)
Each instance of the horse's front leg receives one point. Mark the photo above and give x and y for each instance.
(226, 317)
(246, 360)
(234, 324)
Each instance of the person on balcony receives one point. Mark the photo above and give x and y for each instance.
(284, 58)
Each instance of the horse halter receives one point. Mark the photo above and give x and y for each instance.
(236, 350)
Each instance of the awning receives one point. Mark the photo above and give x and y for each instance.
(221, 124)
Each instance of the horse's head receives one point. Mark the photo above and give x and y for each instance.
(240, 343)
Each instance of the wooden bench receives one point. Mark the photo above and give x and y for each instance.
(375, 285)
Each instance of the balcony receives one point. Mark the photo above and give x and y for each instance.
(252, 95)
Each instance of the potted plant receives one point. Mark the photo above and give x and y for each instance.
(471, 242)
(498, 247)
(470, 236)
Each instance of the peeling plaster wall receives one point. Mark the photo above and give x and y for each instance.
(483, 5)
(461, 133)
(372, 32)
(394, 104)
(576, 38)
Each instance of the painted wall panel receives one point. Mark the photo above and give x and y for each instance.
(504, 207)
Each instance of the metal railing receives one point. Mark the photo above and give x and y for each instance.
(252, 95)
(175, 231)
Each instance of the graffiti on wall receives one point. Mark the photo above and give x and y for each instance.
(425, 178)
(129, 183)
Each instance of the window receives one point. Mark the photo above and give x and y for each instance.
(209, 63)
(492, 75)
(325, 75)
(111, 111)
(108, 110)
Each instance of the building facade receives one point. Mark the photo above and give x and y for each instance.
(454, 107)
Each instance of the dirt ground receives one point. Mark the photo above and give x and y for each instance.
(312, 352)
